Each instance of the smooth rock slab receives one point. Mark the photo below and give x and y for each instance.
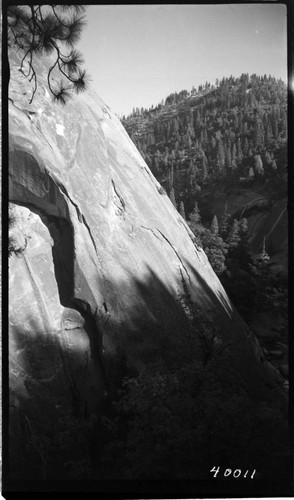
(107, 257)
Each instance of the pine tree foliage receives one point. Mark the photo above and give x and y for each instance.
(261, 270)
(215, 249)
(195, 217)
(52, 31)
(258, 165)
(214, 226)
(172, 197)
(208, 238)
(251, 173)
(195, 224)
(219, 131)
(182, 210)
(263, 256)
(234, 235)
(224, 222)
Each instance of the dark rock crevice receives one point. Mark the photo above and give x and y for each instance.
(81, 217)
(121, 203)
(61, 232)
(53, 211)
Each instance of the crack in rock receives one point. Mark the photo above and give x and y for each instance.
(81, 217)
(185, 288)
(123, 209)
(175, 253)
(149, 229)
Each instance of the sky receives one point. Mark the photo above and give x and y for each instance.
(137, 55)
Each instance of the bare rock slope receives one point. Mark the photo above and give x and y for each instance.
(104, 256)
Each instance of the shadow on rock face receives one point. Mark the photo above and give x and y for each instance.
(106, 299)
(62, 379)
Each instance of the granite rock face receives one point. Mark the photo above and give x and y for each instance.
(103, 254)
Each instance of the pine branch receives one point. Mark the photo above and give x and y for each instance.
(58, 18)
(72, 61)
(23, 60)
(62, 95)
(35, 32)
(80, 84)
(75, 28)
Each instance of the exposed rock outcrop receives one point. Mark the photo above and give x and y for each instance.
(104, 257)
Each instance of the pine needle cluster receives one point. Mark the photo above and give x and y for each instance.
(45, 30)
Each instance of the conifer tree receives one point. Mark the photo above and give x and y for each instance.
(234, 235)
(233, 243)
(284, 124)
(36, 30)
(268, 158)
(215, 249)
(182, 210)
(234, 154)
(274, 124)
(239, 152)
(228, 155)
(171, 177)
(258, 165)
(214, 226)
(250, 173)
(204, 167)
(221, 156)
(245, 146)
(268, 134)
(195, 224)
(224, 223)
(195, 217)
(263, 256)
(165, 159)
(258, 135)
(172, 197)
(244, 254)
(263, 277)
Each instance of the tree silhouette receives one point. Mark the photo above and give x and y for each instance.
(182, 210)
(243, 254)
(214, 225)
(258, 135)
(195, 216)
(224, 223)
(195, 224)
(221, 156)
(258, 164)
(251, 173)
(172, 197)
(36, 30)
(234, 235)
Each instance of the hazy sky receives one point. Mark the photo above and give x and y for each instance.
(138, 54)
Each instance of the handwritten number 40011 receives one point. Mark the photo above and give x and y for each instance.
(236, 473)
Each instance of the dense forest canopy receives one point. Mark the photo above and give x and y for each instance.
(233, 130)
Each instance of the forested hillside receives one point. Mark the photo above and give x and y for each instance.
(236, 132)
(220, 153)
